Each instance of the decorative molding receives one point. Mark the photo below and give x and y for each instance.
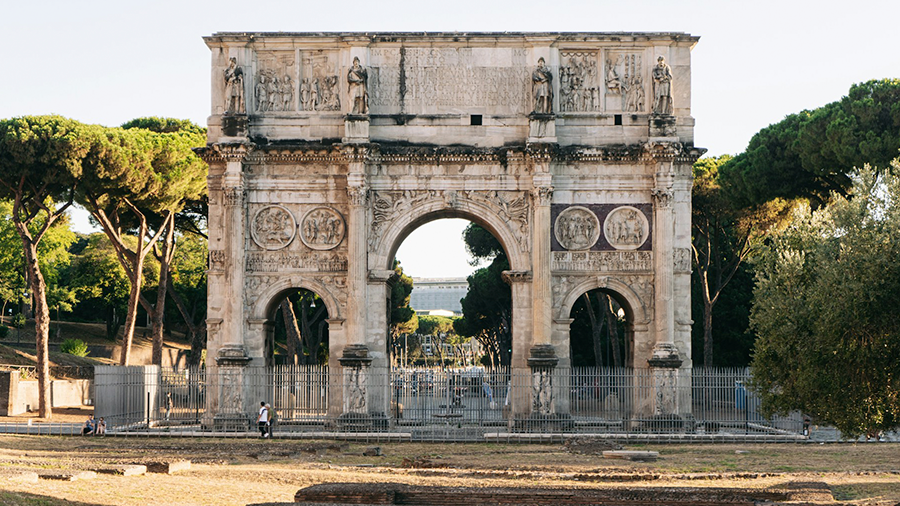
(511, 277)
(602, 261)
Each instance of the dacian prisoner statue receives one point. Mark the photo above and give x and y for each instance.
(584, 182)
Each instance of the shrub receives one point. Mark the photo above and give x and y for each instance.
(18, 321)
(4, 331)
(75, 347)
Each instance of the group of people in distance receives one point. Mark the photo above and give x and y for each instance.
(94, 427)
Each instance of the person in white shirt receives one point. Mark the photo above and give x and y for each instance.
(262, 420)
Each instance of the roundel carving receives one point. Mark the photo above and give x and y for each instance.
(322, 228)
(273, 227)
(626, 228)
(577, 228)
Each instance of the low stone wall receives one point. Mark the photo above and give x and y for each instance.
(17, 395)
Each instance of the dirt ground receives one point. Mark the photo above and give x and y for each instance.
(239, 472)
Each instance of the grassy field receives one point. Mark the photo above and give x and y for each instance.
(237, 472)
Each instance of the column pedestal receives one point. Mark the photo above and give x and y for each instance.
(232, 415)
(543, 417)
(666, 413)
(355, 363)
(542, 128)
(356, 129)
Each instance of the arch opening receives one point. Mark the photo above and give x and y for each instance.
(297, 329)
(602, 330)
(463, 311)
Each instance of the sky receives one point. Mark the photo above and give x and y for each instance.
(108, 62)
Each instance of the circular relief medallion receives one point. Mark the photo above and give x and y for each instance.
(273, 227)
(577, 228)
(626, 228)
(322, 228)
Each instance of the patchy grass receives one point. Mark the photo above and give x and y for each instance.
(239, 471)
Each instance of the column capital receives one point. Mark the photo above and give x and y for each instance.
(511, 277)
(663, 197)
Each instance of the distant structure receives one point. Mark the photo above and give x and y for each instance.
(438, 296)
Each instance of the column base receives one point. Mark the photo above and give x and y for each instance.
(356, 129)
(662, 126)
(545, 422)
(542, 128)
(665, 355)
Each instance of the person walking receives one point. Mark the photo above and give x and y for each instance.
(262, 420)
(169, 405)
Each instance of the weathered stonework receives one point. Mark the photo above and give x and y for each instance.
(327, 149)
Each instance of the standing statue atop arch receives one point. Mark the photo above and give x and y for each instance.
(234, 88)
(359, 96)
(543, 91)
(662, 88)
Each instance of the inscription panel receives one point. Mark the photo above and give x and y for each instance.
(446, 78)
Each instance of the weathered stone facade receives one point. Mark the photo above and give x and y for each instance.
(574, 150)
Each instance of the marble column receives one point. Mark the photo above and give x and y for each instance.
(665, 359)
(355, 356)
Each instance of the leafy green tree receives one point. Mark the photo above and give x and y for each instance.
(75, 347)
(41, 160)
(440, 329)
(99, 281)
(187, 288)
(825, 311)
(724, 235)
(811, 154)
(134, 184)
(487, 306)
(403, 317)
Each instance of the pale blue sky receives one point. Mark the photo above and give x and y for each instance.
(110, 61)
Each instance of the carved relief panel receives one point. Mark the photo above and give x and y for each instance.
(601, 227)
(623, 75)
(626, 228)
(273, 85)
(320, 84)
(273, 227)
(577, 228)
(579, 82)
(322, 228)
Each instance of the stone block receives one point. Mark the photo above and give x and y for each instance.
(642, 456)
(123, 470)
(20, 475)
(169, 467)
(67, 475)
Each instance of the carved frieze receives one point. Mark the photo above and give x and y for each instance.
(273, 88)
(626, 228)
(319, 85)
(602, 261)
(279, 261)
(579, 88)
(682, 259)
(216, 259)
(322, 228)
(273, 227)
(624, 82)
(577, 228)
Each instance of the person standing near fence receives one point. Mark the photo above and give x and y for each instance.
(262, 420)
(168, 405)
(271, 421)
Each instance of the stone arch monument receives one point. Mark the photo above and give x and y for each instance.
(573, 149)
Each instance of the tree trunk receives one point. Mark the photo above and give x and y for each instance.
(159, 309)
(612, 330)
(596, 328)
(197, 331)
(707, 332)
(41, 327)
(294, 346)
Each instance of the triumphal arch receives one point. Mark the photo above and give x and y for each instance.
(327, 149)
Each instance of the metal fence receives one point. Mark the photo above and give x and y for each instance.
(443, 404)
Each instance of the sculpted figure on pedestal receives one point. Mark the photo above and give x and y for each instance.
(359, 96)
(662, 88)
(287, 93)
(543, 92)
(261, 92)
(234, 88)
